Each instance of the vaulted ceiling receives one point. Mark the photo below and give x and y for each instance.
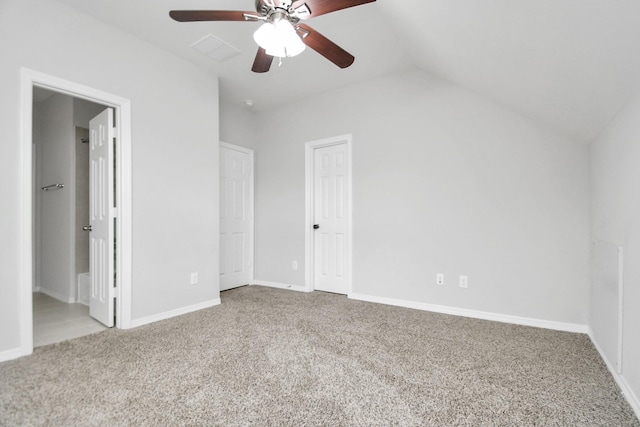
(568, 64)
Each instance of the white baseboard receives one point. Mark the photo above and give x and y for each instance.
(280, 285)
(620, 380)
(558, 326)
(14, 353)
(57, 295)
(173, 313)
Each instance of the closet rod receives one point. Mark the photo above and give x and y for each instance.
(53, 187)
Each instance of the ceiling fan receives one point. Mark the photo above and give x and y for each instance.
(282, 34)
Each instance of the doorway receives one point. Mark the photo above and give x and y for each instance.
(328, 215)
(61, 196)
(122, 196)
(236, 216)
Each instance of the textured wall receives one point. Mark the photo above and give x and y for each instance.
(174, 141)
(615, 218)
(54, 230)
(443, 182)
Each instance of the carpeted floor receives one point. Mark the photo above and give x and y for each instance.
(275, 357)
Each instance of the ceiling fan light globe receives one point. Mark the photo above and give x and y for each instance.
(277, 51)
(291, 41)
(266, 36)
(279, 39)
(296, 48)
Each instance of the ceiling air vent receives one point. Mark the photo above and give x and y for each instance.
(215, 48)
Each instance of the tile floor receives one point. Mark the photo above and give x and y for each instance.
(55, 321)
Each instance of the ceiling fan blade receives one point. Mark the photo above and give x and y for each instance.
(208, 15)
(324, 46)
(321, 7)
(262, 63)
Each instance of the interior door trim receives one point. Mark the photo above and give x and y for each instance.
(122, 106)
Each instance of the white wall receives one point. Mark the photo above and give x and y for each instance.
(615, 218)
(444, 182)
(174, 151)
(56, 166)
(84, 111)
(238, 125)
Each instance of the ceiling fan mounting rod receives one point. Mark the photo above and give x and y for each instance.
(276, 10)
(264, 5)
(277, 15)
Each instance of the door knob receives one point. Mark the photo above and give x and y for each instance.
(86, 228)
(316, 226)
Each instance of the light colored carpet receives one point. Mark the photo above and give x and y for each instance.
(275, 357)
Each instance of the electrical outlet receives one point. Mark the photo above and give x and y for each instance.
(194, 278)
(440, 279)
(294, 265)
(464, 281)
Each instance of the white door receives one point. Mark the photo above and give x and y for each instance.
(101, 211)
(236, 216)
(330, 218)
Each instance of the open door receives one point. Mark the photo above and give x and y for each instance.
(101, 211)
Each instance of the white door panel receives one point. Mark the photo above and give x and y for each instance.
(236, 217)
(330, 204)
(101, 249)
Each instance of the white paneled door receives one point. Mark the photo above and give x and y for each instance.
(330, 218)
(101, 212)
(236, 216)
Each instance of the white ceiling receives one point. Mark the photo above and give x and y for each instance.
(569, 64)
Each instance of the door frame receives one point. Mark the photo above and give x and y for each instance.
(309, 239)
(248, 151)
(28, 79)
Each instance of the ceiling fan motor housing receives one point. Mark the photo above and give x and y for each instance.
(265, 6)
(274, 10)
